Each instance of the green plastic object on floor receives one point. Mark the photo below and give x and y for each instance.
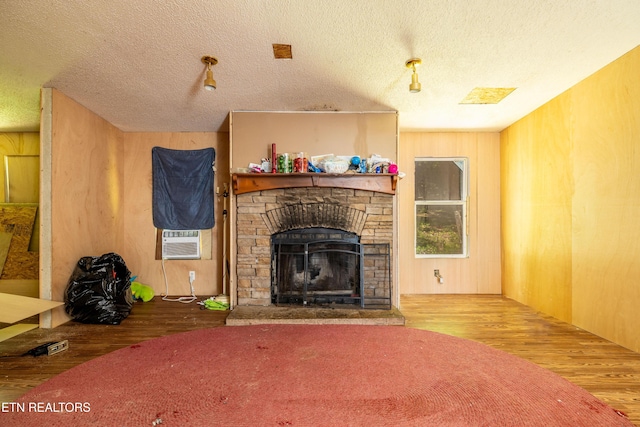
(143, 292)
(212, 304)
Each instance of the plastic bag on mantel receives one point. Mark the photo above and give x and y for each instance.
(99, 290)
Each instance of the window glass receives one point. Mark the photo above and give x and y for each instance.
(441, 207)
(438, 180)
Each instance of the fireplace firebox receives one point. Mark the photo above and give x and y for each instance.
(316, 266)
(324, 266)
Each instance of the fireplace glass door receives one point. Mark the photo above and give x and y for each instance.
(317, 266)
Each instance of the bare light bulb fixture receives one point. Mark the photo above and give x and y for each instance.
(209, 83)
(415, 86)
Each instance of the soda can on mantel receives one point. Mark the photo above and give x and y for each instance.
(300, 163)
(284, 163)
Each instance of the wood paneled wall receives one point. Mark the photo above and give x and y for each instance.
(23, 144)
(86, 190)
(480, 272)
(100, 201)
(12, 144)
(606, 202)
(537, 184)
(570, 203)
(140, 235)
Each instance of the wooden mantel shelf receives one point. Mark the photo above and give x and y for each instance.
(249, 182)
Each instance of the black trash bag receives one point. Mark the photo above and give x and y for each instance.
(99, 290)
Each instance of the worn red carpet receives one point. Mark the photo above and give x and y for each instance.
(315, 375)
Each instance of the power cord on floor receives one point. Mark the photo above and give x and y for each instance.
(49, 348)
(185, 300)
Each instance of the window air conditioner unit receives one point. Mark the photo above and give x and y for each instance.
(181, 244)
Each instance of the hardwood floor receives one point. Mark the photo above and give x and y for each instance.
(147, 320)
(606, 370)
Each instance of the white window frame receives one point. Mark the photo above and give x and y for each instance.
(464, 202)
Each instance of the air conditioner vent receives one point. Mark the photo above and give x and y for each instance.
(181, 244)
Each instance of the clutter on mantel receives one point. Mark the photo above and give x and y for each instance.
(288, 170)
(300, 162)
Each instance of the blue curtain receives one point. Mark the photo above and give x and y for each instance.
(183, 196)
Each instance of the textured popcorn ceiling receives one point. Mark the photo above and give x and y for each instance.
(137, 63)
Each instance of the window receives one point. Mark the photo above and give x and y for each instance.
(441, 192)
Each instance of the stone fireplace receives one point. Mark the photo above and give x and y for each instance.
(333, 243)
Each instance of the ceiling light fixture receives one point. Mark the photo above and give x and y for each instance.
(209, 83)
(415, 86)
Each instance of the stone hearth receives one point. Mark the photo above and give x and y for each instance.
(256, 315)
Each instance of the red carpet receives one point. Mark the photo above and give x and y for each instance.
(295, 375)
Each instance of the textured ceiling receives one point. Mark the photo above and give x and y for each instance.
(137, 63)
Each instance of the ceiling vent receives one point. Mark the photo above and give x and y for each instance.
(282, 51)
(487, 95)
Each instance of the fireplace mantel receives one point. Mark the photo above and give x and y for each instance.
(249, 182)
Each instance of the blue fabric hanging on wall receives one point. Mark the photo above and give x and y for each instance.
(183, 196)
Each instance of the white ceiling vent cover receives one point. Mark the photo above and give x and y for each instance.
(181, 244)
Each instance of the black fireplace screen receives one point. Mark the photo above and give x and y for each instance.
(323, 266)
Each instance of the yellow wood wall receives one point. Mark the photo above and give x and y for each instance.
(87, 170)
(571, 203)
(537, 183)
(18, 143)
(26, 144)
(139, 233)
(480, 272)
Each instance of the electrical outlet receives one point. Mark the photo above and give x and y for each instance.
(192, 276)
(436, 273)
